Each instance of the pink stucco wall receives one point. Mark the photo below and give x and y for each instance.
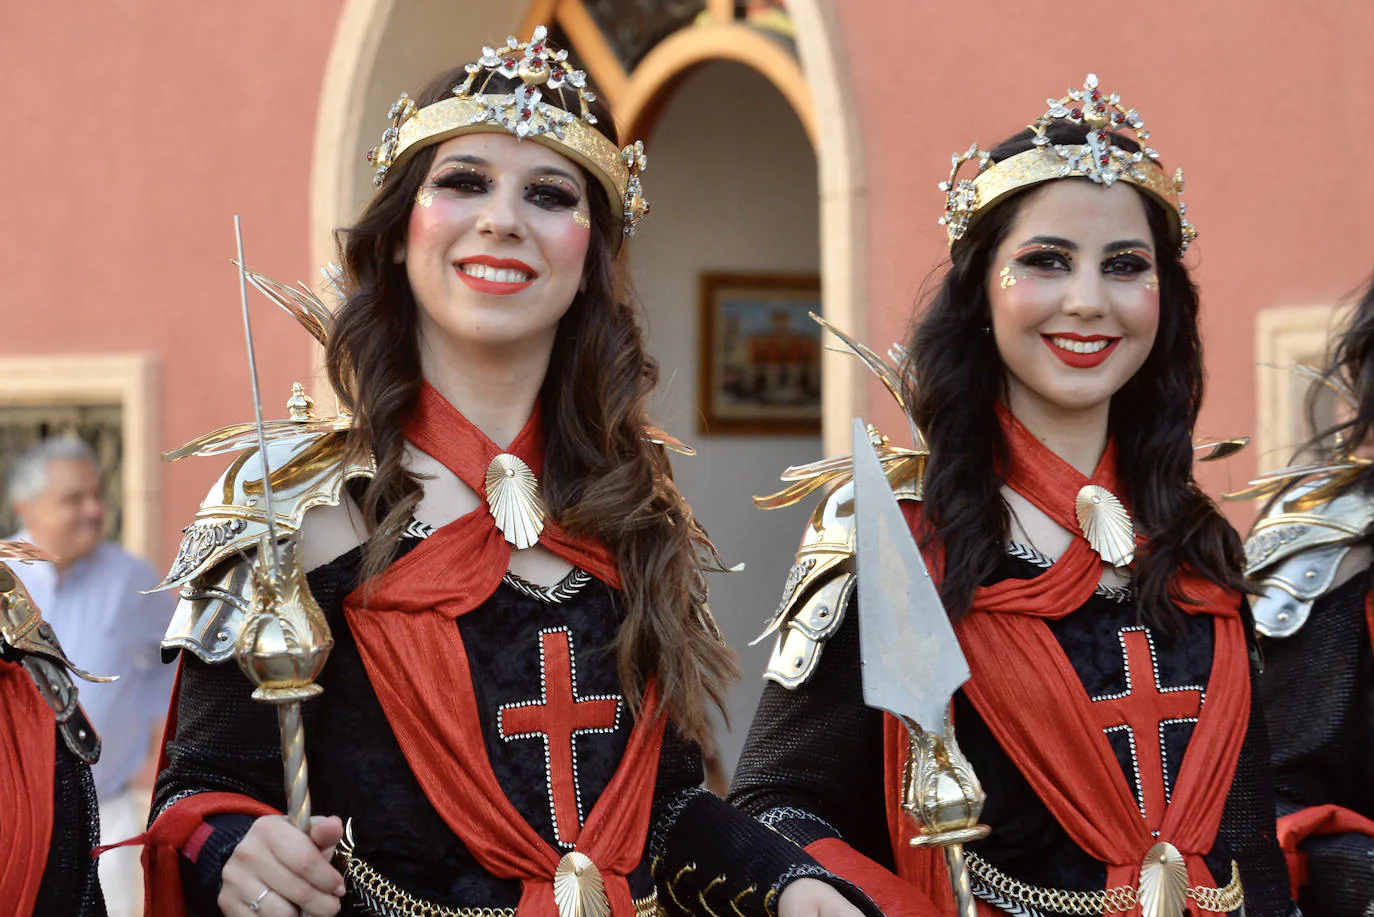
(1267, 105)
(133, 132)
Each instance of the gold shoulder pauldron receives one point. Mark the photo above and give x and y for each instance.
(819, 586)
(1293, 555)
(22, 627)
(308, 470)
(821, 582)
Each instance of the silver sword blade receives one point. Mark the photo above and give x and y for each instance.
(912, 662)
(268, 509)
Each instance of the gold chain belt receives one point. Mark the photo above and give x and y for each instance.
(387, 899)
(1089, 904)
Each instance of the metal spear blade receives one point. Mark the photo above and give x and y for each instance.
(912, 662)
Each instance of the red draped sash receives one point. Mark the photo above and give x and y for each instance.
(405, 627)
(1026, 690)
(27, 749)
(409, 641)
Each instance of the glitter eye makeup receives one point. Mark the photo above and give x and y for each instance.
(1005, 277)
(425, 196)
(1138, 253)
(452, 169)
(581, 219)
(1152, 283)
(1041, 256)
(553, 193)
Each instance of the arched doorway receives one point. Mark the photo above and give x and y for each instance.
(765, 99)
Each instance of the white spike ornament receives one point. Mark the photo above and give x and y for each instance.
(514, 500)
(1106, 524)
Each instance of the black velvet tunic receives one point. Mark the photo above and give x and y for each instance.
(813, 762)
(226, 741)
(1318, 690)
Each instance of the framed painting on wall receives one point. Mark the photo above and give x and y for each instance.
(759, 370)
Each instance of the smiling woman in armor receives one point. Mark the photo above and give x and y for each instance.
(1055, 375)
(1310, 554)
(523, 661)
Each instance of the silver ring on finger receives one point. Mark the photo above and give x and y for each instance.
(256, 904)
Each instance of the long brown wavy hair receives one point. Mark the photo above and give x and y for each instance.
(602, 477)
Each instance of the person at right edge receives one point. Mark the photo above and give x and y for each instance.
(1310, 554)
(1097, 594)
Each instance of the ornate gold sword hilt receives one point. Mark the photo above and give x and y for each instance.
(942, 793)
(282, 647)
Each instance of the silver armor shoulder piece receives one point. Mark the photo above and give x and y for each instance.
(1293, 557)
(307, 471)
(819, 586)
(798, 646)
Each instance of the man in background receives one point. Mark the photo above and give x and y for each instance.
(90, 594)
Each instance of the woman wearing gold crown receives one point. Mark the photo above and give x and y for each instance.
(522, 660)
(1310, 555)
(1055, 376)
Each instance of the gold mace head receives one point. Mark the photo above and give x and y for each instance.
(940, 790)
(285, 639)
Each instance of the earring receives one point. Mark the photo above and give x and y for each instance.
(987, 327)
(1007, 279)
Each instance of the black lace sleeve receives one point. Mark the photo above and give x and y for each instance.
(71, 884)
(1318, 691)
(812, 765)
(710, 859)
(225, 742)
(1247, 826)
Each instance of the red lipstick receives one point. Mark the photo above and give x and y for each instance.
(495, 287)
(1081, 360)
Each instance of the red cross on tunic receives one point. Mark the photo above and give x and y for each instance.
(557, 717)
(1142, 709)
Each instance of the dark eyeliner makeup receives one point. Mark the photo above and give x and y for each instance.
(552, 193)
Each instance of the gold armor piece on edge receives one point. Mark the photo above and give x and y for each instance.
(798, 647)
(1293, 556)
(821, 582)
(307, 471)
(23, 628)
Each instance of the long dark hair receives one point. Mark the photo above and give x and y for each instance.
(602, 477)
(1349, 365)
(957, 377)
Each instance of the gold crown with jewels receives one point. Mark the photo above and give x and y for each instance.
(1098, 158)
(539, 67)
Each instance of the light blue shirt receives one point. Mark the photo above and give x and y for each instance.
(107, 628)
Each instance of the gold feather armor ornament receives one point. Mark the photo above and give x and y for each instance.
(578, 890)
(514, 500)
(1163, 882)
(1105, 524)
